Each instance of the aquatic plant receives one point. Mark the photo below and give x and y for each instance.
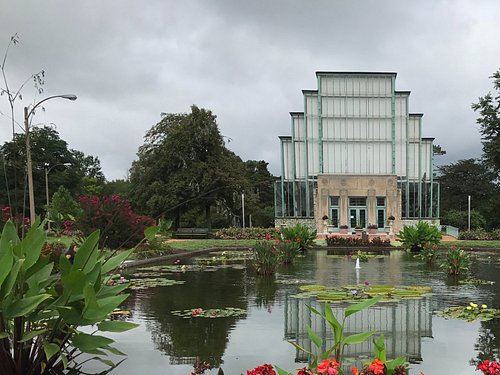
(266, 257)
(300, 234)
(428, 254)
(456, 261)
(288, 250)
(469, 313)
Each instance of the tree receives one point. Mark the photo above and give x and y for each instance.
(261, 193)
(184, 164)
(469, 177)
(63, 207)
(488, 107)
(68, 167)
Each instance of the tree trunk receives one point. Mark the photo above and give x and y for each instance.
(208, 217)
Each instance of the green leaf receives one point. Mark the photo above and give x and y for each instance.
(150, 232)
(50, 350)
(105, 307)
(64, 360)
(297, 346)
(380, 348)
(87, 254)
(32, 245)
(115, 261)
(90, 298)
(281, 371)
(3, 335)
(24, 306)
(361, 306)
(336, 327)
(318, 341)
(11, 278)
(114, 350)
(392, 364)
(88, 343)
(116, 326)
(29, 335)
(357, 338)
(9, 236)
(6, 255)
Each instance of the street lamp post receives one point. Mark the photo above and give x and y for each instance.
(29, 167)
(47, 171)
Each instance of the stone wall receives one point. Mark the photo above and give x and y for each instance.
(292, 221)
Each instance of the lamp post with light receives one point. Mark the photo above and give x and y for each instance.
(47, 171)
(29, 167)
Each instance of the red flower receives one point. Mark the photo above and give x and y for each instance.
(268, 237)
(377, 367)
(265, 369)
(328, 366)
(305, 371)
(354, 370)
(489, 367)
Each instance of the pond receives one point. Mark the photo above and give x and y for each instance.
(167, 343)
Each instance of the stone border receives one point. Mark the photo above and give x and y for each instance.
(178, 255)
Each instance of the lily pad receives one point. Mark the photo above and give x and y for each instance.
(145, 283)
(469, 314)
(209, 313)
(473, 281)
(353, 293)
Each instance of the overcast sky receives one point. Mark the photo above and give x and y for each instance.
(247, 61)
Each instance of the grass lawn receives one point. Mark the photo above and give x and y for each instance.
(472, 243)
(207, 244)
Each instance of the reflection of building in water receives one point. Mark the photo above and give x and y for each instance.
(403, 325)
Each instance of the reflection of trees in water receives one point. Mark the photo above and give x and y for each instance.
(265, 292)
(488, 342)
(188, 340)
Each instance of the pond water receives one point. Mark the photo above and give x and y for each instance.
(169, 344)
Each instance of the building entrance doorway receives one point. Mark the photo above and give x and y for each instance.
(357, 212)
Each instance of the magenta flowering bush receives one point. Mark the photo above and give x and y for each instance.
(113, 216)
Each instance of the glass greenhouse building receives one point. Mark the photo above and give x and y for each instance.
(356, 155)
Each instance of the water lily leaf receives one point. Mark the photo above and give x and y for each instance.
(469, 315)
(210, 313)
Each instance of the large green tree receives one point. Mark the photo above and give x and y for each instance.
(184, 164)
(488, 108)
(260, 189)
(67, 168)
(469, 177)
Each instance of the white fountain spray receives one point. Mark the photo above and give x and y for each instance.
(357, 264)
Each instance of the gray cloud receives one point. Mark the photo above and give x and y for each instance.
(247, 61)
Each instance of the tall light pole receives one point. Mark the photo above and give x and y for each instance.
(243, 208)
(47, 171)
(29, 167)
(468, 210)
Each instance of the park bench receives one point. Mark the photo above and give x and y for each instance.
(191, 233)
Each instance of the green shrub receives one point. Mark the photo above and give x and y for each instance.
(301, 234)
(416, 237)
(340, 241)
(460, 219)
(62, 207)
(480, 235)
(255, 233)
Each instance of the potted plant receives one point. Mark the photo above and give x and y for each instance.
(372, 228)
(343, 229)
